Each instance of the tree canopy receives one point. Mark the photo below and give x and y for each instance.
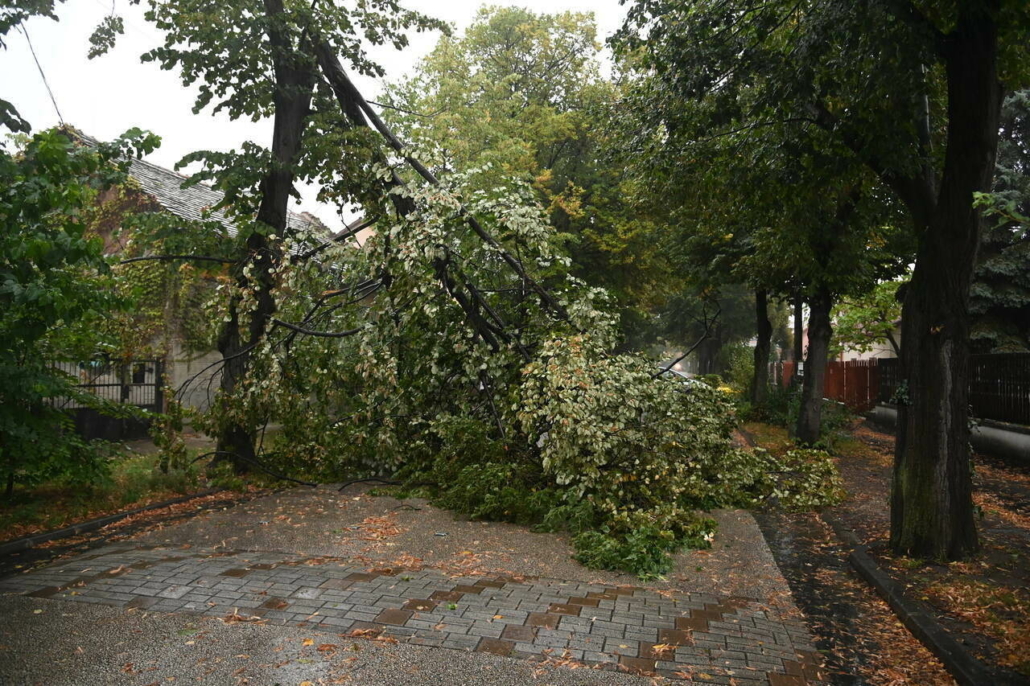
(1000, 294)
(909, 91)
(520, 95)
(52, 277)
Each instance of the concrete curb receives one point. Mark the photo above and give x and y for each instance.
(26, 542)
(916, 615)
(919, 619)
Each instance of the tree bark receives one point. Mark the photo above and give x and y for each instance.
(799, 335)
(708, 354)
(931, 495)
(294, 81)
(760, 380)
(809, 421)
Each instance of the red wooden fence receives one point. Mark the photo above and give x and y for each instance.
(999, 384)
(856, 383)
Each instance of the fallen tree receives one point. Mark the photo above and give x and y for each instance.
(454, 348)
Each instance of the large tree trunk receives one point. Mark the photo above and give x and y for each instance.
(931, 495)
(799, 335)
(819, 332)
(294, 81)
(760, 380)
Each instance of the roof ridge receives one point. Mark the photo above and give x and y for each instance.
(183, 206)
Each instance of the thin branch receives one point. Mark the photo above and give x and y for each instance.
(342, 236)
(406, 111)
(260, 465)
(894, 343)
(169, 258)
(321, 334)
(704, 336)
(388, 482)
(222, 360)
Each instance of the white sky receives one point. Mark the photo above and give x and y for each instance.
(105, 96)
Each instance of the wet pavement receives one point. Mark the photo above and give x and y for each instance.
(345, 567)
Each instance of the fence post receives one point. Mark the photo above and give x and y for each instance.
(124, 376)
(159, 385)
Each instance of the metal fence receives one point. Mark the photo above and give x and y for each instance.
(999, 387)
(137, 382)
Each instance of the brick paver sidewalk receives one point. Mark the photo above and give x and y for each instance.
(707, 638)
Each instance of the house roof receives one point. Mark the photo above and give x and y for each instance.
(193, 202)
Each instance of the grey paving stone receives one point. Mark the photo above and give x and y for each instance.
(635, 633)
(487, 630)
(461, 642)
(174, 592)
(747, 640)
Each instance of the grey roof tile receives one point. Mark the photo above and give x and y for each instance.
(194, 201)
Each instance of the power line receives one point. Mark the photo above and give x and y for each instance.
(25, 32)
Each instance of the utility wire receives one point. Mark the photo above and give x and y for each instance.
(28, 40)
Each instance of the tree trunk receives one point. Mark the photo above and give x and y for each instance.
(931, 495)
(819, 332)
(799, 335)
(294, 81)
(760, 380)
(708, 354)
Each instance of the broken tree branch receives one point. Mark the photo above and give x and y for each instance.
(311, 332)
(704, 336)
(351, 99)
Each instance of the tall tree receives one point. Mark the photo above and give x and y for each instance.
(783, 213)
(520, 95)
(1000, 294)
(912, 90)
(257, 59)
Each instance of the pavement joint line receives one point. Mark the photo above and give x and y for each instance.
(643, 631)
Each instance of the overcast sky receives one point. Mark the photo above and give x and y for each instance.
(105, 96)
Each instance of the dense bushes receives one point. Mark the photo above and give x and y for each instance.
(54, 288)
